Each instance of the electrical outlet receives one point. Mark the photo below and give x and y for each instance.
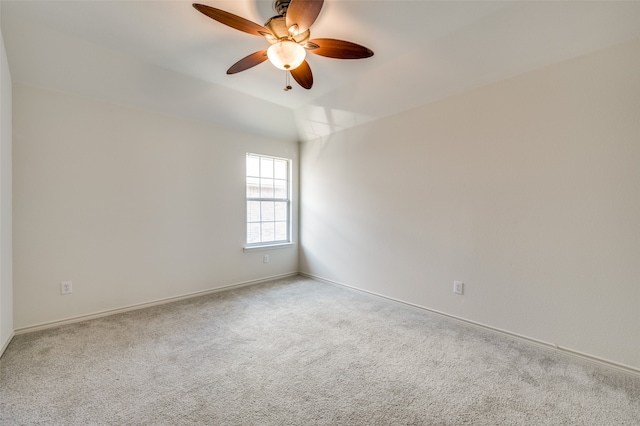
(458, 287)
(66, 287)
(265, 258)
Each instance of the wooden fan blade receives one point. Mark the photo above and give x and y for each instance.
(303, 75)
(234, 21)
(339, 49)
(303, 13)
(248, 62)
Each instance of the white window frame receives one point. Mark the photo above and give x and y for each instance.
(275, 243)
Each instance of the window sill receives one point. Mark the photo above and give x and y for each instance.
(269, 247)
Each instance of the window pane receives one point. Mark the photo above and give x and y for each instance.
(253, 166)
(253, 233)
(280, 169)
(268, 210)
(253, 187)
(280, 211)
(281, 231)
(268, 220)
(266, 167)
(280, 189)
(268, 231)
(253, 211)
(266, 188)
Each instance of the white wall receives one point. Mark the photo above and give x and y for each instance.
(6, 261)
(131, 206)
(527, 190)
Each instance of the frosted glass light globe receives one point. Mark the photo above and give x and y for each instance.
(286, 55)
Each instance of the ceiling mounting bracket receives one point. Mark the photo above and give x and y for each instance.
(281, 6)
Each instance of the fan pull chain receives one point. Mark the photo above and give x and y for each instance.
(287, 81)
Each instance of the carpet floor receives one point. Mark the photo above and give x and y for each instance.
(299, 352)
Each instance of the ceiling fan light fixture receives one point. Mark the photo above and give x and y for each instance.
(286, 55)
(289, 36)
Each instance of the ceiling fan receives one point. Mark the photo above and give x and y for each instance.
(289, 36)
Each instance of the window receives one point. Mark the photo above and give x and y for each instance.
(268, 200)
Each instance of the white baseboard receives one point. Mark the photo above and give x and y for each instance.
(71, 320)
(6, 344)
(546, 345)
(549, 346)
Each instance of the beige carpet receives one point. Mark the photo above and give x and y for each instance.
(299, 352)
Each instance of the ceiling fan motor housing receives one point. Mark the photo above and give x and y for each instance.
(278, 27)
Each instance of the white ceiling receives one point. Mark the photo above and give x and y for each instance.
(166, 56)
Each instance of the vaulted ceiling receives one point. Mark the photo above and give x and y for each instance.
(166, 56)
